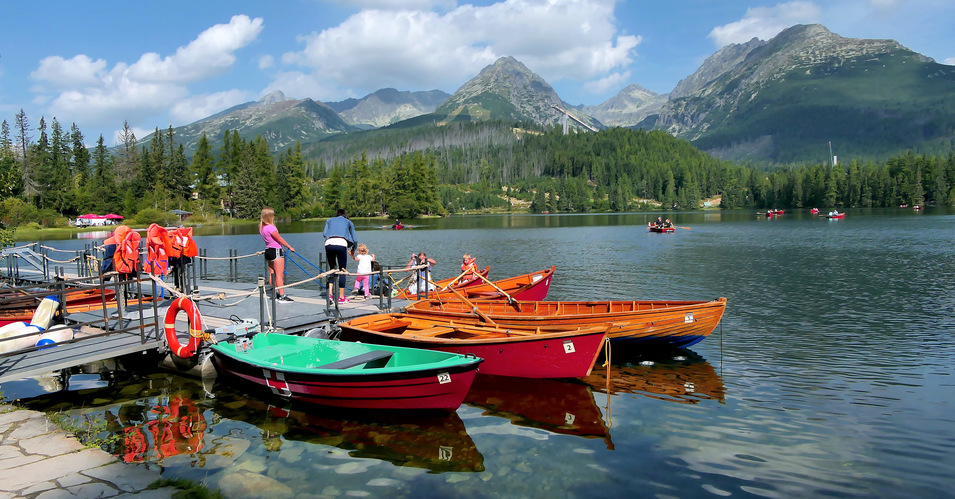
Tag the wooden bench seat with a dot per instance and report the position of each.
(365, 358)
(431, 331)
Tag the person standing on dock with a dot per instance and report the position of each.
(274, 254)
(340, 239)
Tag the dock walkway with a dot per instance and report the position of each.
(140, 329)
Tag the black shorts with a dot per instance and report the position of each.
(273, 253)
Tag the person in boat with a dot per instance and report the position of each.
(667, 224)
(423, 274)
(364, 260)
(397, 225)
(658, 223)
(274, 253)
(468, 268)
(340, 239)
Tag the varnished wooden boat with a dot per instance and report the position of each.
(648, 323)
(21, 309)
(530, 287)
(349, 375)
(526, 352)
(444, 283)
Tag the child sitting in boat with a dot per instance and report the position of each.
(468, 268)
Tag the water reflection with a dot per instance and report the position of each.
(565, 407)
(432, 441)
(680, 376)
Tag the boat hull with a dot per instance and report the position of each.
(662, 230)
(653, 323)
(428, 388)
(555, 353)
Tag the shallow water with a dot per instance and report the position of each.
(830, 375)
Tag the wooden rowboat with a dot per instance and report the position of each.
(530, 287)
(78, 300)
(444, 283)
(661, 229)
(648, 323)
(526, 352)
(349, 375)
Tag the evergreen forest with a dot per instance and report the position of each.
(48, 175)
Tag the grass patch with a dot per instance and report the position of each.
(91, 431)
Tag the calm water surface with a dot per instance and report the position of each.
(830, 375)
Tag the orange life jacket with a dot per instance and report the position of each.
(182, 243)
(469, 266)
(126, 257)
(157, 250)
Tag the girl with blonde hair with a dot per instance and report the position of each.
(274, 255)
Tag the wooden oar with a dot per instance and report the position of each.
(495, 286)
(678, 227)
(474, 308)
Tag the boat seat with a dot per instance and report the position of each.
(357, 360)
(431, 331)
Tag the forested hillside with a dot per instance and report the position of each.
(410, 171)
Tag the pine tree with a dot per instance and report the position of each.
(203, 171)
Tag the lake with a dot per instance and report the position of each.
(830, 375)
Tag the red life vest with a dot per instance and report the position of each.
(182, 243)
(126, 257)
(157, 250)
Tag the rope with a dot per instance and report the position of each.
(229, 257)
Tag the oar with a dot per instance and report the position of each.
(678, 227)
(495, 286)
(474, 308)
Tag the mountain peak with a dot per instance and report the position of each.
(274, 97)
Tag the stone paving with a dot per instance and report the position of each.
(38, 460)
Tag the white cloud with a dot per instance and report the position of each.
(613, 81)
(266, 61)
(950, 61)
(147, 88)
(59, 73)
(414, 49)
(766, 22)
(197, 107)
(298, 85)
(211, 53)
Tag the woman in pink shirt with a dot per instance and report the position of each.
(274, 254)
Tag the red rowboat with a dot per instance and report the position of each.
(661, 229)
(529, 287)
(647, 323)
(443, 284)
(836, 216)
(545, 352)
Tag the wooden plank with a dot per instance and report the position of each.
(358, 360)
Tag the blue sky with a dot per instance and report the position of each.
(174, 62)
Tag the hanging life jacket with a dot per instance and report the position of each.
(126, 257)
(182, 243)
(157, 250)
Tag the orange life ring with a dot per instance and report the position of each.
(195, 327)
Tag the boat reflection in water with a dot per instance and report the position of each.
(677, 376)
(170, 429)
(430, 440)
(565, 407)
